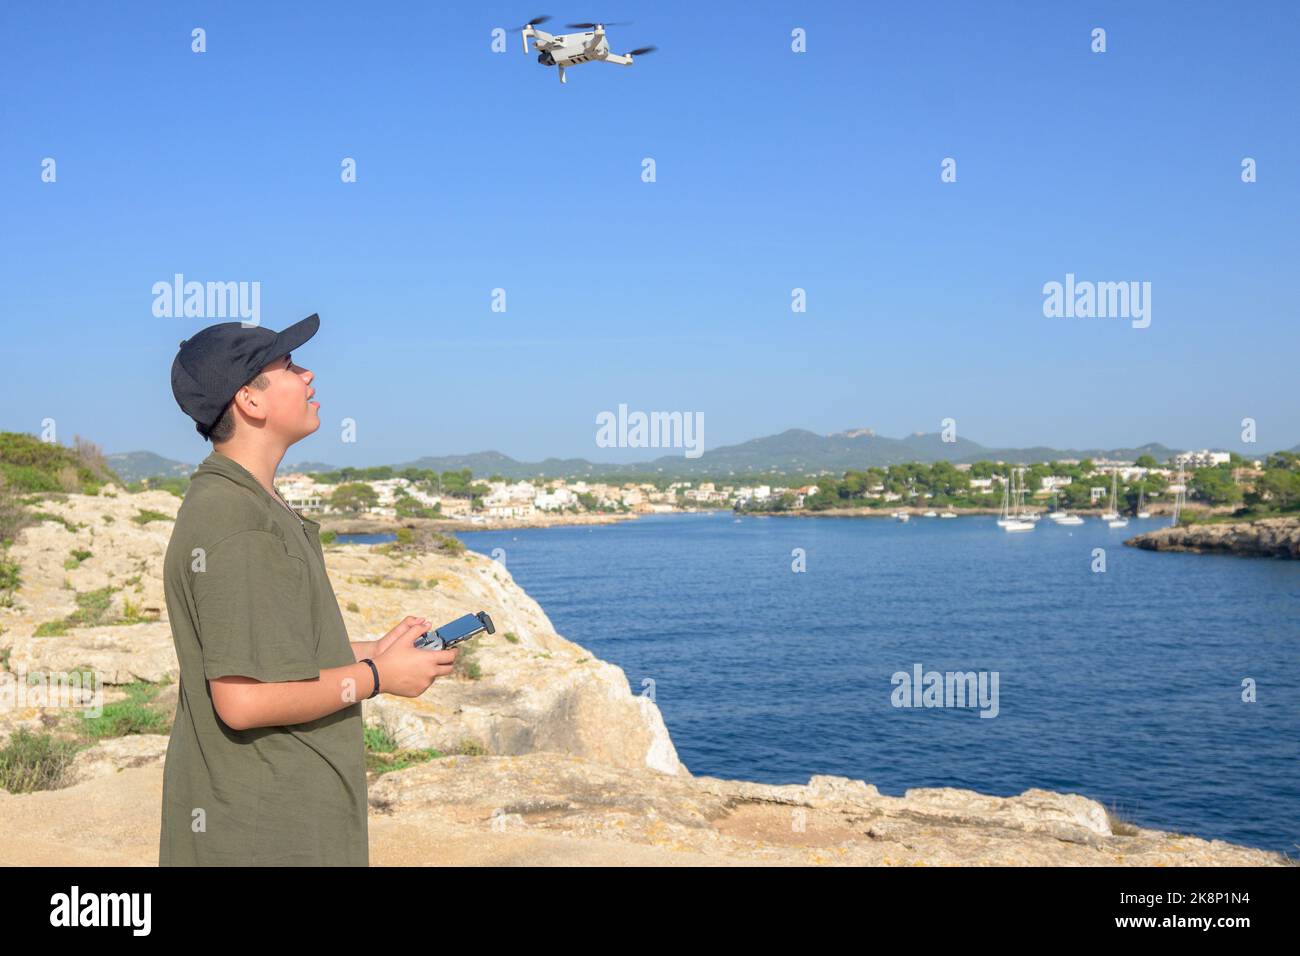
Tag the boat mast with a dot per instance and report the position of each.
(1180, 497)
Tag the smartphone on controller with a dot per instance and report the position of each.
(456, 632)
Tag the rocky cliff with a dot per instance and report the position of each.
(1269, 537)
(533, 752)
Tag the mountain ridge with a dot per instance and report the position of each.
(795, 451)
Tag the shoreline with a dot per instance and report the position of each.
(919, 512)
(386, 525)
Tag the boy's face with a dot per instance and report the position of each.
(290, 412)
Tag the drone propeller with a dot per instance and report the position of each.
(533, 22)
(589, 26)
(642, 50)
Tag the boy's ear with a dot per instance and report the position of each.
(246, 400)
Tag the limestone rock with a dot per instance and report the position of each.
(536, 689)
(117, 754)
(119, 655)
(1268, 537)
(830, 820)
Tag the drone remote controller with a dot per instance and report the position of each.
(453, 633)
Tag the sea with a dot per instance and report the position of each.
(1164, 685)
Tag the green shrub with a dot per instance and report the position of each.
(32, 465)
(377, 738)
(383, 755)
(146, 515)
(176, 485)
(92, 611)
(14, 515)
(132, 613)
(31, 761)
(10, 578)
(135, 715)
(92, 607)
(75, 557)
(448, 544)
(465, 665)
(399, 759)
(67, 525)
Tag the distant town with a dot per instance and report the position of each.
(1212, 478)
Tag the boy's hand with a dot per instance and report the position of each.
(407, 670)
(409, 627)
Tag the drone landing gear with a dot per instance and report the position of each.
(562, 79)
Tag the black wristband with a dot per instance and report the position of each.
(374, 670)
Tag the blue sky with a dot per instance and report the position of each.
(775, 170)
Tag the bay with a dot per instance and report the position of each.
(1123, 685)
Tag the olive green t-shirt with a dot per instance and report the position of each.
(247, 593)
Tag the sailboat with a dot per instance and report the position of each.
(1005, 514)
(1017, 521)
(1112, 516)
(1064, 517)
(1142, 511)
(1061, 516)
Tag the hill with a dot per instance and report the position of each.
(795, 451)
(134, 465)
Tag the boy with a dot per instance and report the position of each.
(266, 763)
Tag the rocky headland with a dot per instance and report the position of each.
(1265, 538)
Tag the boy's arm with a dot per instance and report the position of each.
(244, 703)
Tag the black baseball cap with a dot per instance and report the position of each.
(215, 363)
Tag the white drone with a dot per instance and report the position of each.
(568, 49)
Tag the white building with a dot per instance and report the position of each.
(1201, 459)
(555, 500)
(506, 508)
(302, 493)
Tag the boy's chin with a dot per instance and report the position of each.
(309, 427)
